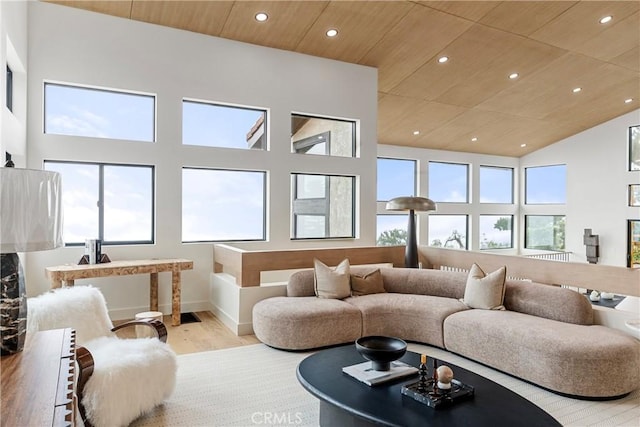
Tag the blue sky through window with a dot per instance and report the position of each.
(99, 113)
(546, 184)
(448, 182)
(396, 178)
(217, 125)
(496, 185)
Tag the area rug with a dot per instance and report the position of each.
(256, 386)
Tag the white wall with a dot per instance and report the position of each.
(76, 46)
(597, 187)
(13, 52)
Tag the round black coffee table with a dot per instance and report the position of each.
(345, 401)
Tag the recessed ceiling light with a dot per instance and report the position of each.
(606, 19)
(513, 76)
(577, 89)
(332, 32)
(416, 132)
(443, 59)
(628, 100)
(261, 17)
(474, 139)
(523, 145)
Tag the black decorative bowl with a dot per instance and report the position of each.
(381, 350)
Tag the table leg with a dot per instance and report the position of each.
(175, 297)
(56, 283)
(153, 291)
(69, 282)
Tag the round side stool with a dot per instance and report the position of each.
(145, 331)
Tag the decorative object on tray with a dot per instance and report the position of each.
(381, 351)
(442, 390)
(594, 295)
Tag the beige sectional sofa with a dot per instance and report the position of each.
(545, 336)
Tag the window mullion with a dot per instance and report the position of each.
(101, 202)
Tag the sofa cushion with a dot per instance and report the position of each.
(332, 282)
(439, 283)
(548, 301)
(304, 323)
(485, 291)
(590, 361)
(366, 282)
(410, 317)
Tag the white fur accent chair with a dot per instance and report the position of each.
(130, 376)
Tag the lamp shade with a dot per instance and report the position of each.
(30, 210)
(411, 203)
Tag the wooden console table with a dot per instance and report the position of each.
(69, 273)
(38, 384)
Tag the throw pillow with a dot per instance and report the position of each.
(367, 282)
(332, 282)
(485, 291)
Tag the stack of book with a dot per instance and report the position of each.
(363, 372)
(93, 250)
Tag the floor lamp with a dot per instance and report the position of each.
(30, 220)
(413, 205)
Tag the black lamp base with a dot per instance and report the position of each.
(13, 304)
(411, 252)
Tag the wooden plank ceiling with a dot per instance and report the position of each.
(554, 46)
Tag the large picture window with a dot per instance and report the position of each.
(544, 232)
(323, 206)
(114, 203)
(396, 177)
(546, 185)
(496, 185)
(449, 231)
(496, 231)
(223, 205)
(214, 125)
(322, 136)
(448, 182)
(98, 113)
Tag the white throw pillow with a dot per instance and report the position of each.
(485, 291)
(330, 282)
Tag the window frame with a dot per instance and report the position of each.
(511, 232)
(154, 136)
(100, 201)
(466, 237)
(354, 129)
(415, 175)
(264, 204)
(526, 231)
(480, 184)
(265, 123)
(467, 183)
(526, 184)
(317, 200)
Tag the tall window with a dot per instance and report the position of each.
(114, 203)
(98, 113)
(546, 185)
(328, 137)
(496, 231)
(323, 206)
(9, 100)
(214, 125)
(544, 232)
(396, 177)
(448, 182)
(448, 231)
(223, 205)
(496, 185)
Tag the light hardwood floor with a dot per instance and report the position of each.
(208, 334)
